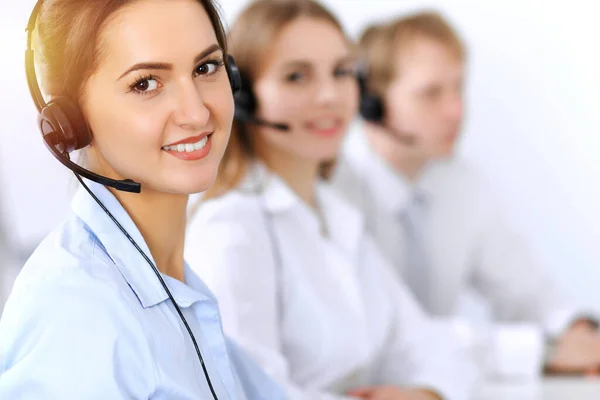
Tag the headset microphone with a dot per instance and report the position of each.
(372, 110)
(243, 116)
(245, 107)
(403, 138)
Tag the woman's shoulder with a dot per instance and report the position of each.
(70, 252)
(231, 221)
(68, 269)
(240, 204)
(68, 308)
(234, 206)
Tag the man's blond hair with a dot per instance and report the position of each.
(380, 43)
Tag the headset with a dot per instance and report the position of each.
(370, 105)
(245, 107)
(64, 130)
(372, 108)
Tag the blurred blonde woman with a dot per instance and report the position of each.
(300, 284)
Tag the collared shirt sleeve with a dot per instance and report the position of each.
(71, 337)
(421, 352)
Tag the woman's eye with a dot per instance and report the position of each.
(205, 69)
(295, 77)
(208, 68)
(146, 85)
(344, 72)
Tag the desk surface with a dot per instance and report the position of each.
(547, 389)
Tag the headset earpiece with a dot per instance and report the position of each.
(63, 126)
(372, 110)
(245, 102)
(245, 107)
(371, 106)
(235, 79)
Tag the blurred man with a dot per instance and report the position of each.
(433, 216)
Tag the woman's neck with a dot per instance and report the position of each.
(300, 174)
(161, 219)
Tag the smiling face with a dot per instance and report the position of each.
(160, 113)
(307, 81)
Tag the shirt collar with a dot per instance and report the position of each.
(276, 195)
(132, 266)
(344, 222)
(391, 189)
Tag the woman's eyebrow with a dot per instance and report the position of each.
(157, 65)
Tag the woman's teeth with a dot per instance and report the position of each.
(324, 123)
(188, 147)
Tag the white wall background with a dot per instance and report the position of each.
(533, 122)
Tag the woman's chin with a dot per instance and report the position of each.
(187, 185)
(199, 185)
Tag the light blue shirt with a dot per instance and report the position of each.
(89, 319)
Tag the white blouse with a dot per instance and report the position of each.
(322, 314)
